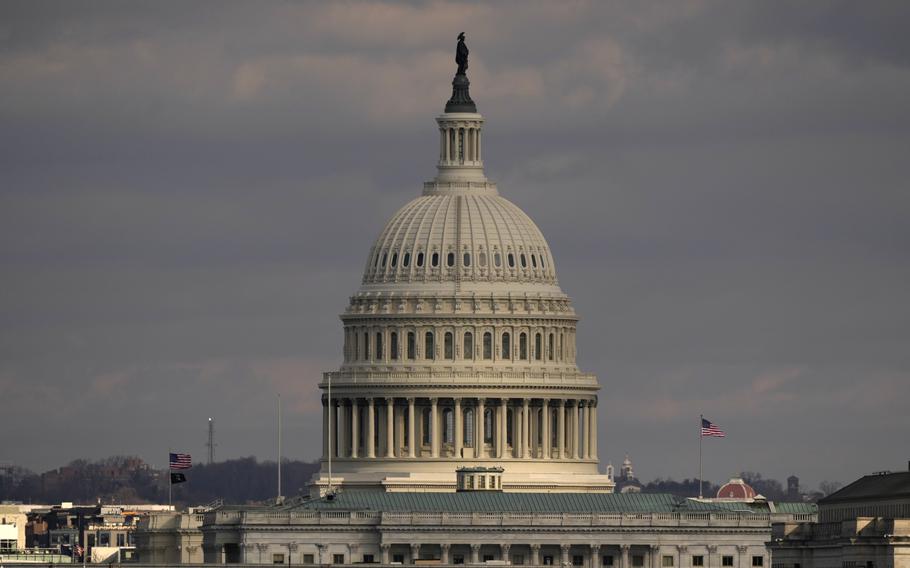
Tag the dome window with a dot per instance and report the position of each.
(366, 346)
(523, 346)
(497, 259)
(385, 256)
(538, 347)
(434, 260)
(487, 345)
(511, 261)
(394, 260)
(468, 351)
(419, 260)
(543, 265)
(534, 261)
(379, 353)
(506, 346)
(429, 347)
(412, 346)
(466, 260)
(406, 260)
(482, 259)
(524, 260)
(450, 259)
(468, 427)
(393, 346)
(449, 345)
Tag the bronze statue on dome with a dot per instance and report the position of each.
(461, 55)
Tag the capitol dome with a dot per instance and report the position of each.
(459, 345)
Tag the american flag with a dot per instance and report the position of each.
(181, 461)
(710, 429)
(77, 550)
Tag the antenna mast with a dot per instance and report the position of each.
(211, 443)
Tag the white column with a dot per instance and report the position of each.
(448, 151)
(503, 426)
(355, 428)
(325, 429)
(478, 439)
(412, 443)
(583, 429)
(574, 434)
(561, 434)
(434, 428)
(525, 429)
(592, 418)
(390, 427)
(342, 429)
(459, 429)
(546, 434)
(371, 428)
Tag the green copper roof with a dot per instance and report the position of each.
(493, 502)
(796, 508)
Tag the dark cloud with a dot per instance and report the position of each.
(188, 194)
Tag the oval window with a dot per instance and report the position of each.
(406, 259)
(533, 261)
(450, 259)
(497, 259)
(466, 261)
(434, 262)
(542, 263)
(524, 260)
(385, 257)
(394, 260)
(511, 261)
(482, 259)
(419, 259)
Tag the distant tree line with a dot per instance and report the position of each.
(127, 479)
(773, 489)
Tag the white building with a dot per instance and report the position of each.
(460, 356)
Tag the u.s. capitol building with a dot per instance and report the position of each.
(459, 428)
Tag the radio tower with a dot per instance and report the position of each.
(211, 443)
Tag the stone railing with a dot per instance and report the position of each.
(341, 378)
(317, 517)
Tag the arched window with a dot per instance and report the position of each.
(469, 427)
(429, 349)
(468, 347)
(434, 260)
(509, 421)
(487, 346)
(411, 345)
(419, 260)
(466, 259)
(379, 346)
(448, 426)
(450, 259)
(393, 346)
(542, 263)
(366, 346)
(506, 346)
(523, 346)
(406, 260)
(550, 347)
(538, 347)
(449, 345)
(488, 426)
(534, 260)
(511, 260)
(425, 425)
(394, 260)
(497, 259)
(356, 346)
(524, 260)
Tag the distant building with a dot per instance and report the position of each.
(737, 490)
(793, 493)
(626, 482)
(864, 525)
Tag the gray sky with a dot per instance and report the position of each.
(188, 192)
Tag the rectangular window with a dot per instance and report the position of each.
(308, 559)
(368, 559)
(547, 560)
(338, 559)
(638, 560)
(758, 561)
(278, 559)
(104, 539)
(726, 561)
(393, 346)
(666, 561)
(578, 560)
(607, 561)
(379, 345)
(411, 345)
(121, 539)
(487, 557)
(366, 346)
(698, 560)
(458, 559)
(398, 558)
(518, 559)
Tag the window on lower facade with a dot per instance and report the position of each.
(104, 539)
(121, 539)
(8, 544)
(338, 559)
(518, 559)
(411, 346)
(607, 561)
(368, 559)
(666, 561)
(698, 560)
(547, 560)
(393, 346)
(458, 559)
(468, 351)
(488, 345)
(638, 560)
(278, 559)
(308, 559)
(488, 557)
(523, 346)
(726, 561)
(506, 346)
(398, 558)
(578, 560)
(429, 349)
(758, 561)
(449, 345)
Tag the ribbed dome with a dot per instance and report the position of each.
(471, 235)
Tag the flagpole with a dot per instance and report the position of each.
(700, 437)
(279, 449)
(170, 484)
(331, 427)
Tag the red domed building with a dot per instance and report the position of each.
(738, 490)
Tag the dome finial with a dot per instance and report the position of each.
(461, 98)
